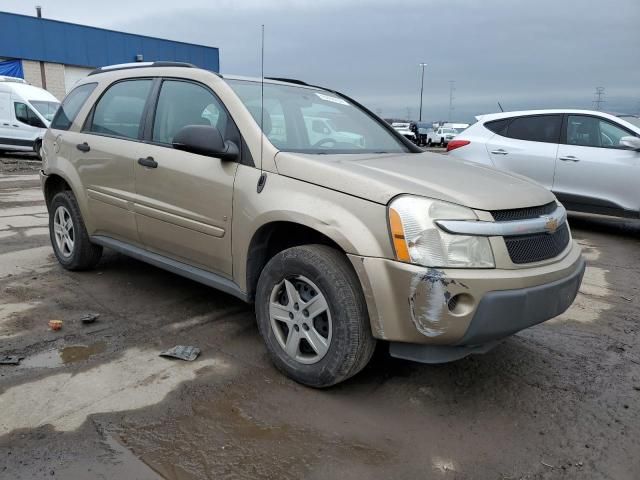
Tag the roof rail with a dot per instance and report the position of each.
(287, 80)
(125, 66)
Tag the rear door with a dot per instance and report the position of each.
(526, 145)
(594, 172)
(104, 153)
(183, 206)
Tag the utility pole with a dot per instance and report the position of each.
(599, 98)
(421, 89)
(452, 88)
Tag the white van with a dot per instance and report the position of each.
(25, 114)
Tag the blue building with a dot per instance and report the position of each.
(54, 55)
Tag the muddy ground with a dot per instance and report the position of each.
(560, 400)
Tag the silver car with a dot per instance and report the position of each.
(590, 160)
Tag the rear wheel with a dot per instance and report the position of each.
(68, 234)
(313, 317)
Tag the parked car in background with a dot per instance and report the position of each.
(590, 160)
(441, 136)
(25, 113)
(322, 129)
(337, 244)
(423, 130)
(404, 129)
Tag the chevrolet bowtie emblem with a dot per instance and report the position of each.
(551, 226)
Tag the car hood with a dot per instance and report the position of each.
(380, 177)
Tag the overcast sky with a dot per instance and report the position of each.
(534, 54)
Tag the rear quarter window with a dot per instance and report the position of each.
(71, 105)
(498, 126)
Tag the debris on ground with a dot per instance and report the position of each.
(55, 324)
(182, 352)
(89, 317)
(10, 360)
(625, 298)
(547, 465)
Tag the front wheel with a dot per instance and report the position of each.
(442, 142)
(313, 317)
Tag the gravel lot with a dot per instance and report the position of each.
(560, 400)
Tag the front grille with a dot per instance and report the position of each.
(523, 213)
(538, 246)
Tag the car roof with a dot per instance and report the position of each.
(26, 91)
(520, 113)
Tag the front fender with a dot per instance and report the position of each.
(358, 226)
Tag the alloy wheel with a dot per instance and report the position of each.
(63, 231)
(300, 319)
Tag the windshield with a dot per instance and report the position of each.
(46, 109)
(449, 130)
(301, 119)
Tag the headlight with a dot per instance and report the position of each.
(417, 239)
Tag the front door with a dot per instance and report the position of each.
(594, 172)
(183, 206)
(528, 146)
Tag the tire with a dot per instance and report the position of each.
(442, 142)
(429, 142)
(37, 147)
(348, 342)
(75, 252)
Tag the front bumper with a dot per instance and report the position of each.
(464, 307)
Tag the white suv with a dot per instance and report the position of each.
(590, 160)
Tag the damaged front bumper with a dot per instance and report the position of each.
(462, 311)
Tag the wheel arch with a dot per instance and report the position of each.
(274, 237)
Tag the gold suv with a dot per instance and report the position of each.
(303, 202)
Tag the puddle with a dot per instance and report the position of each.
(63, 356)
(135, 379)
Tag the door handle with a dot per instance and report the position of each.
(83, 147)
(569, 158)
(500, 151)
(148, 162)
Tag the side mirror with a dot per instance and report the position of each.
(631, 142)
(205, 140)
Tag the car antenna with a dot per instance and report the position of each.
(263, 176)
(501, 109)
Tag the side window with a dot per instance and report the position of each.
(25, 115)
(594, 132)
(498, 126)
(611, 134)
(184, 103)
(71, 106)
(539, 128)
(119, 110)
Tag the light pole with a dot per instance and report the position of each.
(421, 89)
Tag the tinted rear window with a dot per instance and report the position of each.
(498, 126)
(539, 128)
(71, 105)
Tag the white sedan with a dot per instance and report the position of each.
(590, 160)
